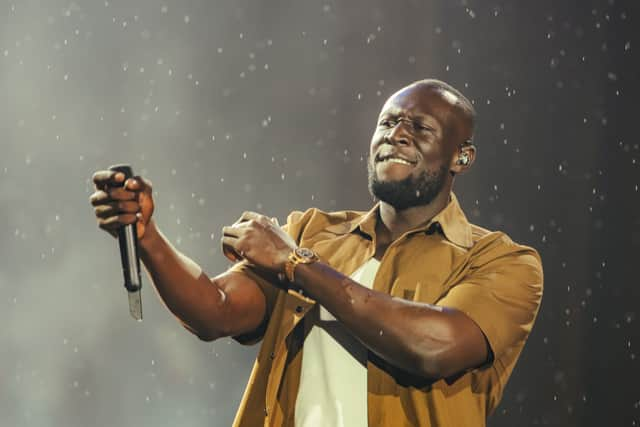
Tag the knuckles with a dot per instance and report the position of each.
(116, 203)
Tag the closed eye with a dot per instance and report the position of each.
(386, 123)
(422, 127)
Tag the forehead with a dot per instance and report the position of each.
(421, 101)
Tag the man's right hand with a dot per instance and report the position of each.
(116, 205)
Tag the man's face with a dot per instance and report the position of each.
(410, 157)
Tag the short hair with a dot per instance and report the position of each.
(462, 104)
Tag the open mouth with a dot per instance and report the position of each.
(394, 158)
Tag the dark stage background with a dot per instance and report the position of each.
(269, 106)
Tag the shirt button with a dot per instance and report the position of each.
(299, 309)
(272, 355)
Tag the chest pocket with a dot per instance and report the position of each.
(427, 288)
(427, 268)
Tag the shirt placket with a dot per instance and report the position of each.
(296, 307)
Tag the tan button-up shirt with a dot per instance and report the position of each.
(448, 262)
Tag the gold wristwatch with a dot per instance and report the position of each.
(299, 256)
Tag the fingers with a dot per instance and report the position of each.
(230, 239)
(112, 194)
(116, 208)
(138, 183)
(113, 223)
(118, 201)
(106, 178)
(232, 231)
(103, 178)
(99, 197)
(248, 216)
(229, 250)
(107, 192)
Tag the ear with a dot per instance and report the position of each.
(466, 151)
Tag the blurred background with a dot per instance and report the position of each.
(269, 106)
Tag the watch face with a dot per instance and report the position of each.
(305, 253)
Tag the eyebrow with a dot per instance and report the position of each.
(412, 117)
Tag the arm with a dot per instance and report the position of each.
(229, 304)
(426, 340)
(430, 341)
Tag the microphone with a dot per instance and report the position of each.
(128, 242)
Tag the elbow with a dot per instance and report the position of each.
(203, 334)
(436, 368)
(437, 360)
(432, 367)
(446, 363)
(207, 338)
(211, 334)
(204, 325)
(445, 351)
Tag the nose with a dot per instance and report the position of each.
(398, 134)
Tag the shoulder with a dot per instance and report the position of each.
(314, 220)
(496, 248)
(313, 215)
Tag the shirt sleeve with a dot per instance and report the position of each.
(294, 227)
(501, 295)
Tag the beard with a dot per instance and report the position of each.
(410, 191)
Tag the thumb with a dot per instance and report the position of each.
(141, 183)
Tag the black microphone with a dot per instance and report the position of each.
(128, 242)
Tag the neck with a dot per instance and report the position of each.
(394, 223)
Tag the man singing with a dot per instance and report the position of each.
(405, 315)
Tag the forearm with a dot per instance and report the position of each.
(416, 337)
(186, 291)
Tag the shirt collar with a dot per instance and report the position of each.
(451, 221)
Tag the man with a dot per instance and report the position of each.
(406, 315)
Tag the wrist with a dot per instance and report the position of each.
(151, 238)
(297, 257)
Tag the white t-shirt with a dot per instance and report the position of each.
(333, 377)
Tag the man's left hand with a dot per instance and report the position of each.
(259, 240)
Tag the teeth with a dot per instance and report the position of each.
(396, 160)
